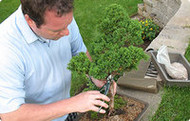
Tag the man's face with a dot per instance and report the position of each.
(54, 26)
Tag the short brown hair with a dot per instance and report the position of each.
(36, 8)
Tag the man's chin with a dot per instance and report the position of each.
(55, 38)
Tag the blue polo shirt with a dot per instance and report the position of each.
(32, 69)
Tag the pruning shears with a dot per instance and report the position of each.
(105, 88)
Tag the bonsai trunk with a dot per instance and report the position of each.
(111, 95)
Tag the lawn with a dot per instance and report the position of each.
(175, 105)
(7, 7)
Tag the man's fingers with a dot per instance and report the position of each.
(98, 109)
(101, 110)
(97, 95)
(102, 97)
(94, 92)
(101, 103)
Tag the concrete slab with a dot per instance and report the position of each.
(142, 84)
(140, 72)
(136, 79)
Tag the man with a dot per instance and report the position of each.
(37, 42)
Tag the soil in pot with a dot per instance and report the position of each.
(128, 112)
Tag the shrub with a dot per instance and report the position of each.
(149, 29)
(113, 51)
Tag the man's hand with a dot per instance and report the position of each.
(90, 100)
(100, 83)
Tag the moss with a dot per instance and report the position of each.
(119, 102)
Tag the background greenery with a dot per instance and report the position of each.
(175, 104)
(187, 53)
(7, 7)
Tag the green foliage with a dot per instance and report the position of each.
(134, 33)
(117, 28)
(112, 50)
(187, 52)
(150, 29)
(115, 17)
(80, 64)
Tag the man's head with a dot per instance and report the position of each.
(36, 9)
(48, 18)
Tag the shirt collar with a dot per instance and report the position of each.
(43, 39)
(28, 34)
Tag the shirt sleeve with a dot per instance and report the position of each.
(12, 92)
(77, 44)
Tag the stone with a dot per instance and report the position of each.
(148, 2)
(140, 9)
(136, 79)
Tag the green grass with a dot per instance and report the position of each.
(88, 12)
(7, 7)
(175, 105)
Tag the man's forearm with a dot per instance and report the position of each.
(35, 112)
(83, 102)
(88, 55)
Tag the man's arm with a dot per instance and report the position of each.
(82, 102)
(88, 55)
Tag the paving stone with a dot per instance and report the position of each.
(140, 73)
(143, 84)
(136, 79)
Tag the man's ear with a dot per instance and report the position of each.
(30, 22)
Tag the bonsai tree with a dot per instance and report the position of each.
(113, 50)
